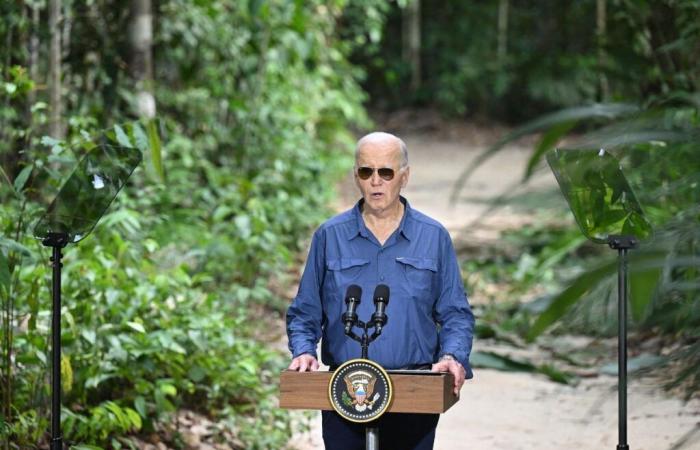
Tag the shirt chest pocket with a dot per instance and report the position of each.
(420, 274)
(346, 271)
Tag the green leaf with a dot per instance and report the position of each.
(140, 137)
(490, 360)
(122, 138)
(5, 278)
(641, 290)
(22, 178)
(154, 145)
(136, 327)
(11, 244)
(547, 143)
(196, 374)
(95, 381)
(168, 389)
(555, 374)
(561, 303)
(134, 418)
(10, 88)
(140, 405)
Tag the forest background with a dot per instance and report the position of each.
(257, 104)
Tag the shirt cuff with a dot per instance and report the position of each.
(463, 362)
(304, 351)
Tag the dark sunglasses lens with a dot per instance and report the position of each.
(364, 172)
(386, 173)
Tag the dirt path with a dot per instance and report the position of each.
(516, 410)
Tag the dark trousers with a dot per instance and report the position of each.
(397, 431)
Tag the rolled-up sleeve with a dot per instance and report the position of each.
(452, 311)
(304, 315)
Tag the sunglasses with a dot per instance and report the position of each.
(385, 173)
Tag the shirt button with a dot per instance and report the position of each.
(381, 278)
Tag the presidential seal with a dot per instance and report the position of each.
(360, 390)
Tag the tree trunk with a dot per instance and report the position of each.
(55, 106)
(601, 37)
(502, 30)
(33, 58)
(141, 60)
(412, 41)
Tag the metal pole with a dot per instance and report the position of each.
(372, 438)
(56, 438)
(622, 348)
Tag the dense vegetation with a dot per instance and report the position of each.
(254, 100)
(515, 59)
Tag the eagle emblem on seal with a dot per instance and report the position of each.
(360, 386)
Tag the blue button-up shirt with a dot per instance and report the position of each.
(428, 311)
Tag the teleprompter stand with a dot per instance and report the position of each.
(71, 216)
(622, 244)
(607, 212)
(56, 241)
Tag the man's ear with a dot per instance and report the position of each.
(404, 177)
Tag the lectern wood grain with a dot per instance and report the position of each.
(413, 392)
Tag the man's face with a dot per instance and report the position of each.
(381, 194)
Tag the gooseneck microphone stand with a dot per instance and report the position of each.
(379, 319)
(622, 244)
(56, 241)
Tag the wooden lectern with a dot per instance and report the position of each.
(415, 391)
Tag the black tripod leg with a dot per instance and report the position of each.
(56, 438)
(622, 349)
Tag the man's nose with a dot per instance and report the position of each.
(376, 180)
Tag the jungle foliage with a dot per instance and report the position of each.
(653, 130)
(254, 100)
(515, 59)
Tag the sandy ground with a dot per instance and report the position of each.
(518, 410)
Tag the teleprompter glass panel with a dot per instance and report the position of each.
(598, 194)
(88, 192)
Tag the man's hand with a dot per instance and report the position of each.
(451, 365)
(306, 362)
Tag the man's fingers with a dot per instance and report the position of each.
(440, 366)
(459, 374)
(304, 363)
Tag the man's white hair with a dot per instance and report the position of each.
(382, 136)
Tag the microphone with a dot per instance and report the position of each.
(353, 296)
(381, 300)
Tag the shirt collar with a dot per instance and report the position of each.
(405, 226)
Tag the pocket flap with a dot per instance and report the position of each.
(418, 263)
(346, 263)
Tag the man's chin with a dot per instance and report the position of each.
(376, 205)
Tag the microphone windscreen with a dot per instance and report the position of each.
(354, 291)
(382, 291)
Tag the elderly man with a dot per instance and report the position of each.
(382, 240)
